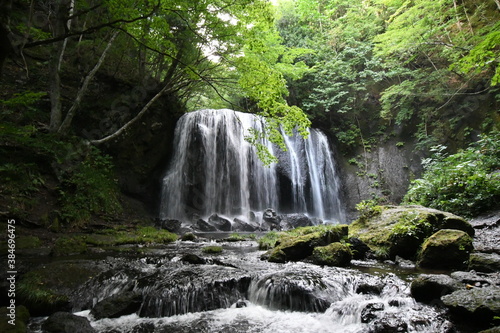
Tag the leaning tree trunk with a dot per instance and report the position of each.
(83, 89)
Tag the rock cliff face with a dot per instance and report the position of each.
(383, 171)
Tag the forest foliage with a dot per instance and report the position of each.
(426, 70)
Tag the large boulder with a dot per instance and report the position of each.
(292, 221)
(240, 225)
(446, 249)
(334, 254)
(65, 322)
(293, 247)
(117, 305)
(271, 220)
(204, 226)
(480, 304)
(430, 287)
(400, 230)
(220, 223)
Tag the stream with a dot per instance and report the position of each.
(235, 291)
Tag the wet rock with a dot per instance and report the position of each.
(334, 254)
(369, 289)
(65, 322)
(240, 225)
(404, 263)
(220, 223)
(272, 219)
(171, 225)
(480, 304)
(292, 221)
(369, 311)
(191, 288)
(204, 226)
(487, 237)
(358, 248)
(117, 305)
(477, 279)
(389, 323)
(485, 262)
(447, 248)
(191, 258)
(429, 287)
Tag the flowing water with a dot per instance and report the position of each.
(215, 170)
(235, 291)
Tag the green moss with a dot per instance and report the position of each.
(28, 242)
(212, 249)
(334, 254)
(446, 249)
(401, 230)
(299, 243)
(36, 295)
(65, 246)
(143, 235)
(189, 236)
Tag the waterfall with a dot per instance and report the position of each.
(215, 170)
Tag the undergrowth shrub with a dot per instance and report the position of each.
(466, 183)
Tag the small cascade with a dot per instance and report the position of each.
(214, 170)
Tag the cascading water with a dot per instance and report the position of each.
(215, 170)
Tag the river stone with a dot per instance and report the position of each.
(369, 311)
(171, 225)
(485, 262)
(334, 254)
(240, 225)
(192, 258)
(272, 219)
(203, 225)
(358, 248)
(220, 223)
(389, 323)
(446, 249)
(292, 221)
(481, 304)
(429, 287)
(117, 305)
(65, 322)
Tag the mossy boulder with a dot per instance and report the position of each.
(446, 249)
(334, 254)
(298, 244)
(401, 230)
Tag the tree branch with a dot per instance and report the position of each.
(76, 104)
(90, 30)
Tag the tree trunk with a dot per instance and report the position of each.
(124, 128)
(55, 61)
(83, 89)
